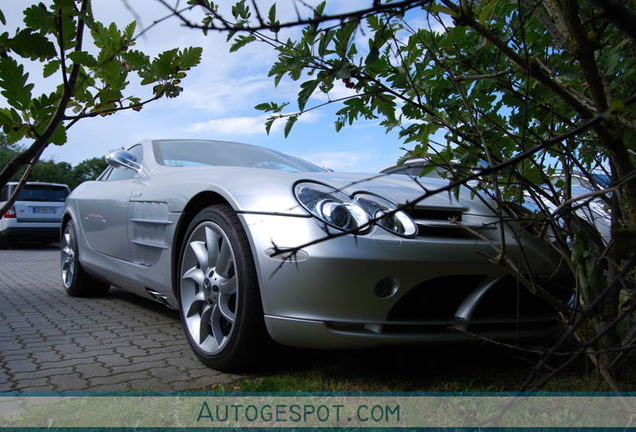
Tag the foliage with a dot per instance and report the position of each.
(92, 81)
(526, 90)
(88, 169)
(51, 171)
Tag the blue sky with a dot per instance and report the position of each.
(219, 97)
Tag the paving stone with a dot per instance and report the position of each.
(130, 351)
(40, 373)
(45, 356)
(92, 370)
(150, 385)
(114, 360)
(21, 365)
(5, 386)
(117, 379)
(65, 363)
(31, 382)
(51, 342)
(144, 366)
(109, 387)
(201, 383)
(88, 353)
(201, 372)
(68, 382)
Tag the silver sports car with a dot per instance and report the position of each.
(252, 245)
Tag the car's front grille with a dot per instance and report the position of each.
(439, 222)
(441, 298)
(447, 222)
(462, 306)
(435, 214)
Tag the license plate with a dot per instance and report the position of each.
(44, 210)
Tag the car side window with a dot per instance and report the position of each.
(121, 174)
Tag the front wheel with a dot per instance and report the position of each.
(77, 283)
(219, 297)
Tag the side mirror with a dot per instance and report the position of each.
(122, 159)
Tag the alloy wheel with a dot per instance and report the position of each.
(209, 287)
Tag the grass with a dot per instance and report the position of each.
(465, 368)
(433, 369)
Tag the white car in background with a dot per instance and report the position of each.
(36, 214)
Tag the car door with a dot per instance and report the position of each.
(104, 208)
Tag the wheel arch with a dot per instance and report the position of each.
(192, 208)
(66, 217)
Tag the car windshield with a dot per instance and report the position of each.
(42, 193)
(414, 170)
(185, 153)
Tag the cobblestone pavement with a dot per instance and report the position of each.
(52, 342)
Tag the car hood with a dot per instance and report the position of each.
(268, 191)
(398, 188)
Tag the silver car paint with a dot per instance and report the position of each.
(332, 282)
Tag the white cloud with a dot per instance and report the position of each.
(222, 96)
(234, 126)
(219, 96)
(245, 125)
(340, 161)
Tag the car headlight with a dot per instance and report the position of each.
(396, 222)
(331, 206)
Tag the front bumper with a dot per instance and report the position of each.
(361, 291)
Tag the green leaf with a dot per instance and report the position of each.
(290, 123)
(265, 106)
(12, 125)
(190, 57)
(319, 10)
(344, 35)
(271, 19)
(50, 68)
(136, 60)
(438, 8)
(114, 75)
(308, 88)
(164, 65)
(129, 31)
(3, 20)
(268, 124)
(37, 17)
(325, 40)
(272, 14)
(240, 41)
(59, 136)
(107, 96)
(13, 81)
(487, 11)
(83, 58)
(617, 106)
(32, 45)
(240, 10)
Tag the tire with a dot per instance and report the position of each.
(76, 282)
(219, 297)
